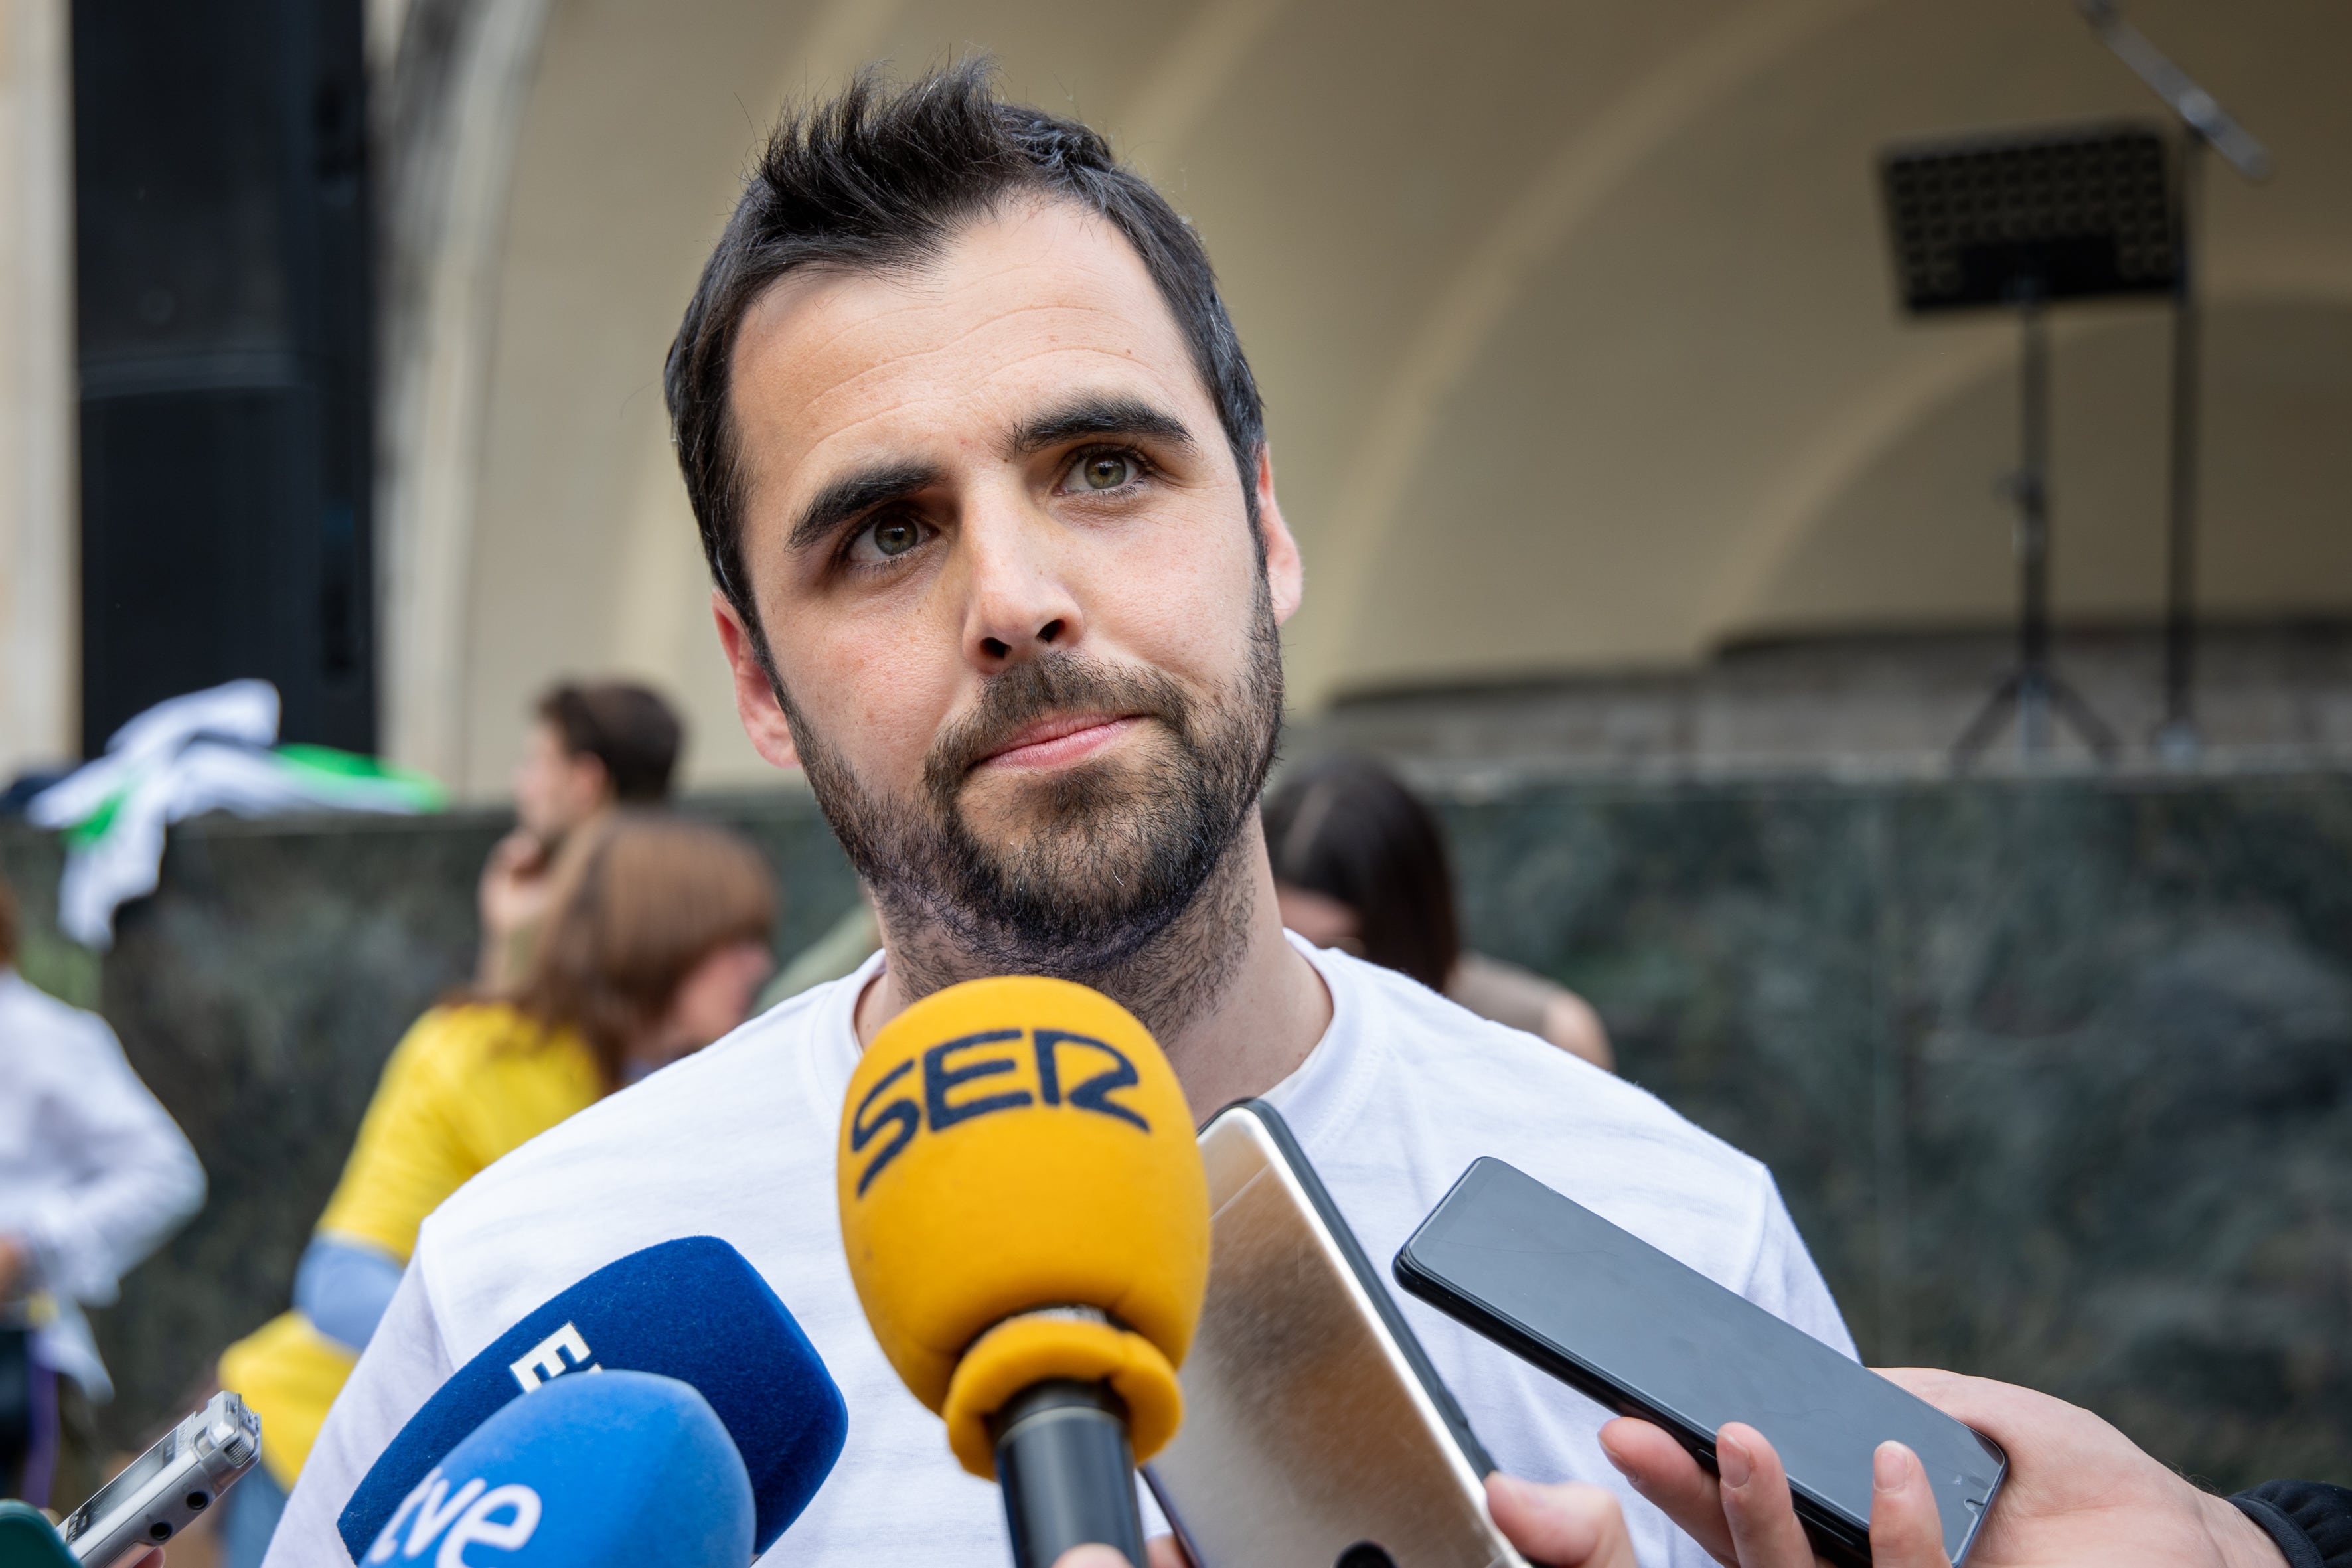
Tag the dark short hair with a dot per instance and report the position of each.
(881, 177)
(1346, 829)
(627, 727)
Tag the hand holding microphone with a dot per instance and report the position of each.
(1027, 1225)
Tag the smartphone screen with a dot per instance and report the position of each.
(1606, 1313)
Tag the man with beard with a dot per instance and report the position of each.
(982, 477)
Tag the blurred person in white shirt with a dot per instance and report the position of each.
(93, 1175)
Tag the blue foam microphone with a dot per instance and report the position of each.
(692, 1310)
(628, 1470)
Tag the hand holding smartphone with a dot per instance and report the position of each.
(1644, 1335)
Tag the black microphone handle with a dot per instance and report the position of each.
(1065, 1469)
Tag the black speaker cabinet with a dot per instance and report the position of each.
(223, 236)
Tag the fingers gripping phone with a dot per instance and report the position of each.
(1612, 1316)
(161, 1490)
(1316, 1432)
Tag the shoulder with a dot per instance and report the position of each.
(736, 1078)
(31, 1014)
(1466, 1058)
(739, 1126)
(467, 1029)
(753, 1074)
(461, 1040)
(1493, 989)
(1438, 1078)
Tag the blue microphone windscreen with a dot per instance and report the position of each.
(692, 1310)
(626, 1470)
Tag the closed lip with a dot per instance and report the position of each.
(1060, 738)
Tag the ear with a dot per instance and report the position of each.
(1285, 574)
(593, 777)
(755, 701)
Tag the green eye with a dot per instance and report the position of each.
(1106, 471)
(896, 538)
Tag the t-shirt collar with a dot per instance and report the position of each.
(836, 1027)
(1320, 1093)
(1327, 1089)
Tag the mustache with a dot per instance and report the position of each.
(1039, 688)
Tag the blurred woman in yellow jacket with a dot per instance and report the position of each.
(654, 949)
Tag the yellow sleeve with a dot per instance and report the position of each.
(408, 1156)
(464, 1085)
(467, 1084)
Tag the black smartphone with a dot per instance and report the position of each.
(1614, 1318)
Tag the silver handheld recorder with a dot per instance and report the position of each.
(161, 1490)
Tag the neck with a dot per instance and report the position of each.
(1223, 991)
(650, 1052)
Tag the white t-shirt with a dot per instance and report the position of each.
(1402, 1093)
(94, 1173)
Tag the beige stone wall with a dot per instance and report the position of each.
(1573, 318)
(38, 659)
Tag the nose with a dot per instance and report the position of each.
(1021, 602)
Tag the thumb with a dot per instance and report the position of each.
(1570, 1525)
(1159, 1551)
(1091, 1556)
(1906, 1531)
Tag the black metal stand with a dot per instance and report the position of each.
(2073, 212)
(2178, 738)
(2021, 222)
(2033, 688)
(2209, 125)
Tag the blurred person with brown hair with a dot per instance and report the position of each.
(590, 748)
(94, 1173)
(658, 939)
(1360, 864)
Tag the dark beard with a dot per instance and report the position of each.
(1124, 878)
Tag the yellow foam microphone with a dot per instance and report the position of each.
(1027, 1225)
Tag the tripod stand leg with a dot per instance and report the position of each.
(2089, 726)
(1987, 723)
(2032, 688)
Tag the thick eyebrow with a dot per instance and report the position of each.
(857, 492)
(1098, 416)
